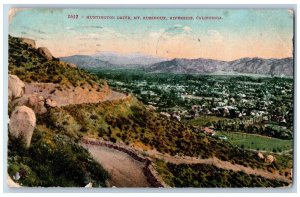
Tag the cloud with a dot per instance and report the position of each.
(177, 25)
(13, 11)
(34, 30)
(172, 41)
(215, 36)
(84, 27)
(32, 36)
(156, 34)
(187, 29)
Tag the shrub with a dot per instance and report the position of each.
(52, 161)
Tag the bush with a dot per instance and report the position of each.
(58, 162)
(94, 117)
(204, 175)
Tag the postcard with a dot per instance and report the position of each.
(150, 98)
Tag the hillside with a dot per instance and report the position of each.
(88, 62)
(30, 66)
(128, 59)
(52, 159)
(112, 60)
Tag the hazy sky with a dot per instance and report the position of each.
(266, 33)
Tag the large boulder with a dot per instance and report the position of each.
(22, 123)
(68, 64)
(89, 185)
(11, 183)
(51, 103)
(260, 155)
(16, 87)
(34, 101)
(43, 51)
(28, 41)
(270, 159)
(72, 65)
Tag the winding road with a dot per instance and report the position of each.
(127, 172)
(123, 169)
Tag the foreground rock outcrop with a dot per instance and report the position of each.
(260, 155)
(34, 101)
(16, 87)
(43, 51)
(11, 183)
(270, 159)
(22, 123)
(51, 103)
(28, 41)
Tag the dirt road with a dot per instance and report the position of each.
(123, 169)
(127, 172)
(73, 95)
(223, 165)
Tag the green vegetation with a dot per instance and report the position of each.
(130, 122)
(53, 160)
(29, 65)
(257, 142)
(203, 175)
(205, 120)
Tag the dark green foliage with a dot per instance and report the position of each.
(203, 175)
(53, 160)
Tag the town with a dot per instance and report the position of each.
(250, 104)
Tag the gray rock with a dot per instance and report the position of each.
(16, 87)
(11, 183)
(28, 41)
(45, 53)
(22, 123)
(270, 159)
(72, 65)
(51, 103)
(34, 101)
(260, 155)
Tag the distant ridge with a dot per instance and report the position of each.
(128, 59)
(245, 65)
(112, 60)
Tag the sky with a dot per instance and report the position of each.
(233, 34)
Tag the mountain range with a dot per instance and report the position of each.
(113, 60)
(245, 66)
(128, 59)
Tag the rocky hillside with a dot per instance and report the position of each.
(244, 66)
(38, 65)
(39, 155)
(88, 62)
(51, 78)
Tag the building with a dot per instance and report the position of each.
(208, 131)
